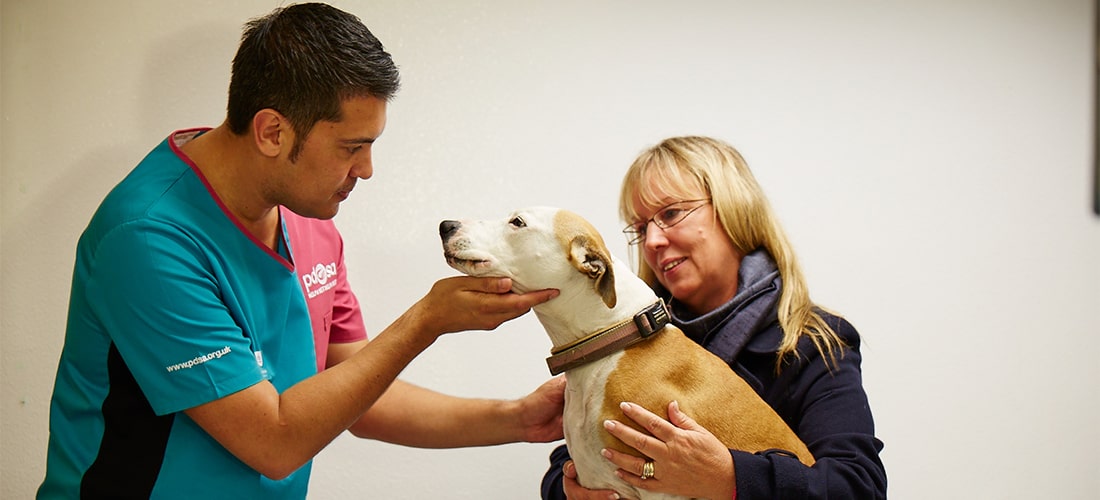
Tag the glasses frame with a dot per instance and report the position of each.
(636, 233)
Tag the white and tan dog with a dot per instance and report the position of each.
(603, 303)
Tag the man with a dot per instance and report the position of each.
(209, 290)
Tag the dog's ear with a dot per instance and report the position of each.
(592, 258)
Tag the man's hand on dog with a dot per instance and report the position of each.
(465, 303)
(541, 412)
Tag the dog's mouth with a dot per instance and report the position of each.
(467, 264)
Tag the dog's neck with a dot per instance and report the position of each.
(579, 311)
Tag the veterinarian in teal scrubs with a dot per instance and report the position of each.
(709, 244)
(209, 290)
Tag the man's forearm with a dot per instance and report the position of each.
(277, 433)
(414, 416)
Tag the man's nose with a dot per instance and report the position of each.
(363, 170)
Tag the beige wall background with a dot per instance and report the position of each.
(931, 160)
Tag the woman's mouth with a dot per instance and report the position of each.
(669, 265)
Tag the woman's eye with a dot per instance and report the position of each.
(517, 221)
(670, 214)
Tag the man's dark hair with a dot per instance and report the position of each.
(303, 61)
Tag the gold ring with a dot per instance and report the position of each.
(647, 470)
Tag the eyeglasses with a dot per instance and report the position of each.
(665, 217)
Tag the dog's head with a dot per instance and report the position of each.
(538, 247)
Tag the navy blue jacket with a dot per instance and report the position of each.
(827, 409)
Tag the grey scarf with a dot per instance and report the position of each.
(725, 330)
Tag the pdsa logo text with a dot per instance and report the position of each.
(320, 280)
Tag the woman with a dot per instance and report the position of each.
(710, 245)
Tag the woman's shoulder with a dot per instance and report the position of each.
(769, 338)
(841, 326)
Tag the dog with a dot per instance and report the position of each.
(600, 299)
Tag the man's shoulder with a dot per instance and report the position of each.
(140, 194)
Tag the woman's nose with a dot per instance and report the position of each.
(655, 236)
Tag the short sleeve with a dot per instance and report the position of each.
(157, 295)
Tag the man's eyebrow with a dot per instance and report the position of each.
(358, 140)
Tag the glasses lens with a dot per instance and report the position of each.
(673, 214)
(633, 235)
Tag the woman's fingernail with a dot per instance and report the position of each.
(605, 453)
(624, 406)
(608, 424)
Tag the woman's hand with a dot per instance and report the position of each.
(687, 459)
(574, 491)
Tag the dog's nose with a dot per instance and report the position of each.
(447, 228)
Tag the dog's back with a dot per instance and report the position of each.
(705, 388)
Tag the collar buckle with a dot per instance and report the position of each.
(651, 319)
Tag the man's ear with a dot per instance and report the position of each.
(271, 132)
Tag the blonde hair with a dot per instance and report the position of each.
(684, 167)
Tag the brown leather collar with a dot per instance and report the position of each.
(609, 340)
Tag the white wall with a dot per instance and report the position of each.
(931, 160)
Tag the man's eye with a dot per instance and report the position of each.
(517, 221)
(354, 149)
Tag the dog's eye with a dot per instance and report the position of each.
(517, 221)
